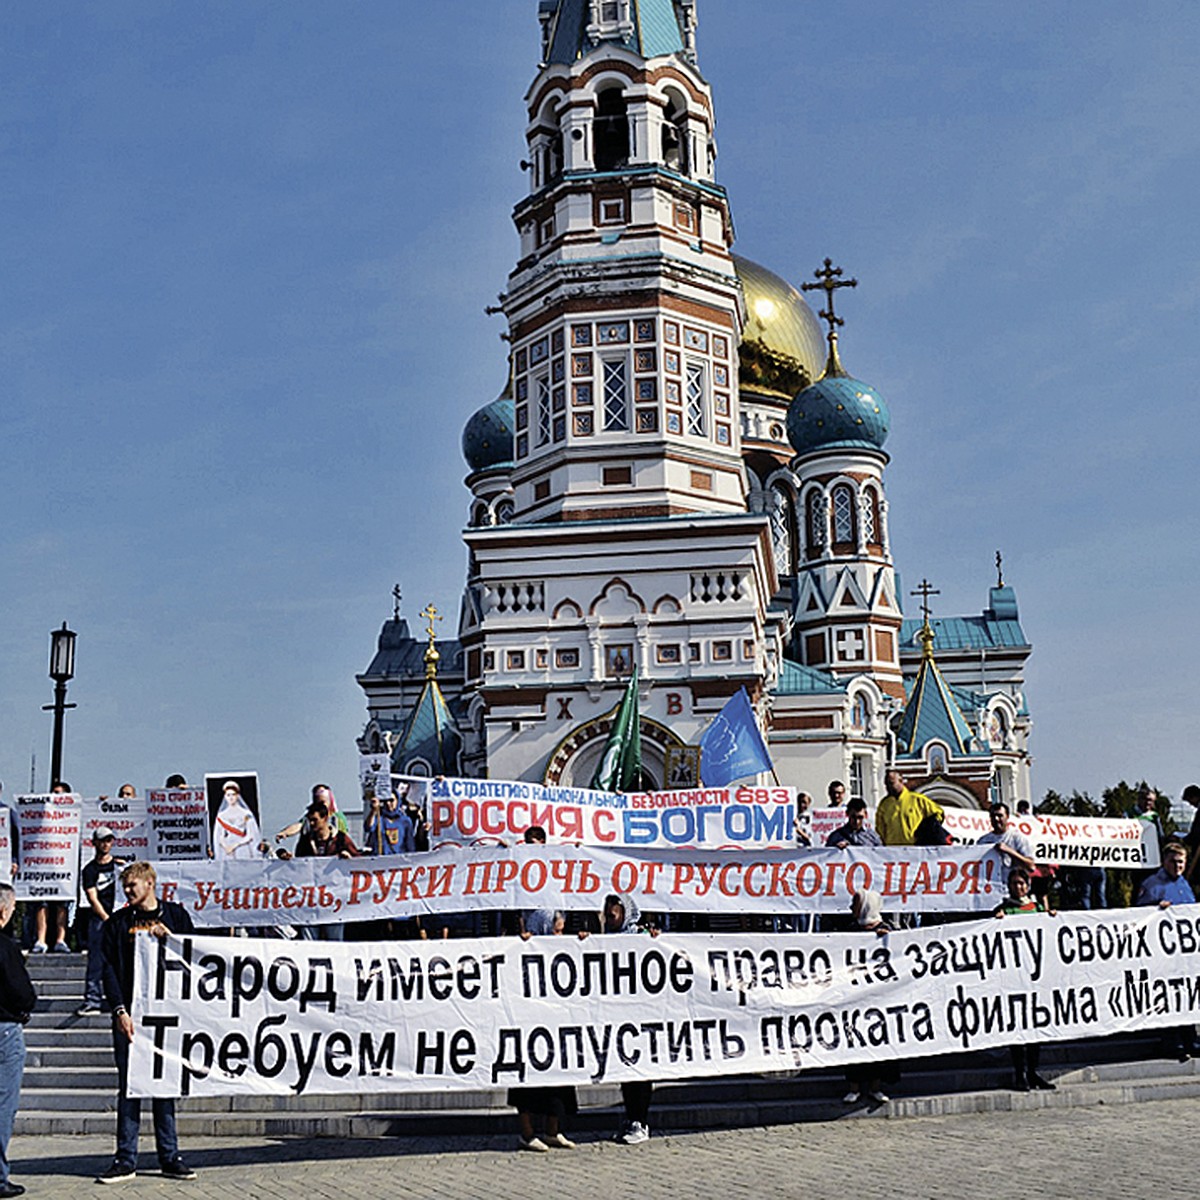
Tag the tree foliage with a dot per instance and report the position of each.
(1117, 801)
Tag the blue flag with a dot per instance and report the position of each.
(732, 747)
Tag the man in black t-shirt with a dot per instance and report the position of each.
(144, 915)
(100, 888)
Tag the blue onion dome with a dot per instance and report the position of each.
(487, 439)
(838, 411)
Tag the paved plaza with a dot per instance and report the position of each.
(1129, 1151)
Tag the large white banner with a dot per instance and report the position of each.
(178, 823)
(315, 890)
(475, 812)
(125, 817)
(47, 847)
(1069, 841)
(221, 1016)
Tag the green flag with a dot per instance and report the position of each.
(621, 763)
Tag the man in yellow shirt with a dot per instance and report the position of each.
(900, 813)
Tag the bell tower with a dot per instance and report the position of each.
(847, 614)
(624, 309)
(627, 540)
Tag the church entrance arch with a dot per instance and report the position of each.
(573, 761)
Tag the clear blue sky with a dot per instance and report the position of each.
(245, 253)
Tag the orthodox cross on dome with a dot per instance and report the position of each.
(396, 595)
(431, 614)
(925, 589)
(999, 570)
(829, 279)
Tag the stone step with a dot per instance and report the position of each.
(59, 1057)
(72, 1099)
(61, 1005)
(65, 1020)
(84, 1038)
(91, 1089)
(48, 989)
(56, 966)
(666, 1114)
(39, 1080)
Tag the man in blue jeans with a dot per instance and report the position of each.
(144, 915)
(17, 999)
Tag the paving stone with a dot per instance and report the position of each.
(1100, 1151)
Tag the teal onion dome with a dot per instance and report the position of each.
(838, 412)
(487, 439)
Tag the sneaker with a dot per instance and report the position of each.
(87, 1009)
(852, 1097)
(117, 1173)
(11, 1189)
(535, 1144)
(878, 1097)
(619, 1136)
(178, 1169)
(636, 1134)
(38, 948)
(61, 948)
(560, 1142)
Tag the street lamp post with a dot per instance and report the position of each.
(62, 668)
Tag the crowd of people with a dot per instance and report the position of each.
(395, 825)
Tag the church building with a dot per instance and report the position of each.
(680, 476)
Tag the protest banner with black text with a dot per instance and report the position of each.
(48, 846)
(491, 811)
(223, 1016)
(331, 890)
(178, 820)
(126, 817)
(1069, 841)
(827, 821)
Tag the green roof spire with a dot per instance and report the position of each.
(571, 29)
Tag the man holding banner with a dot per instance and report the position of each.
(144, 914)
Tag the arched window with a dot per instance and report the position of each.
(674, 134)
(783, 529)
(843, 514)
(870, 515)
(816, 510)
(479, 514)
(860, 714)
(611, 131)
(548, 145)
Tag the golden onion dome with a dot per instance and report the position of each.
(783, 346)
